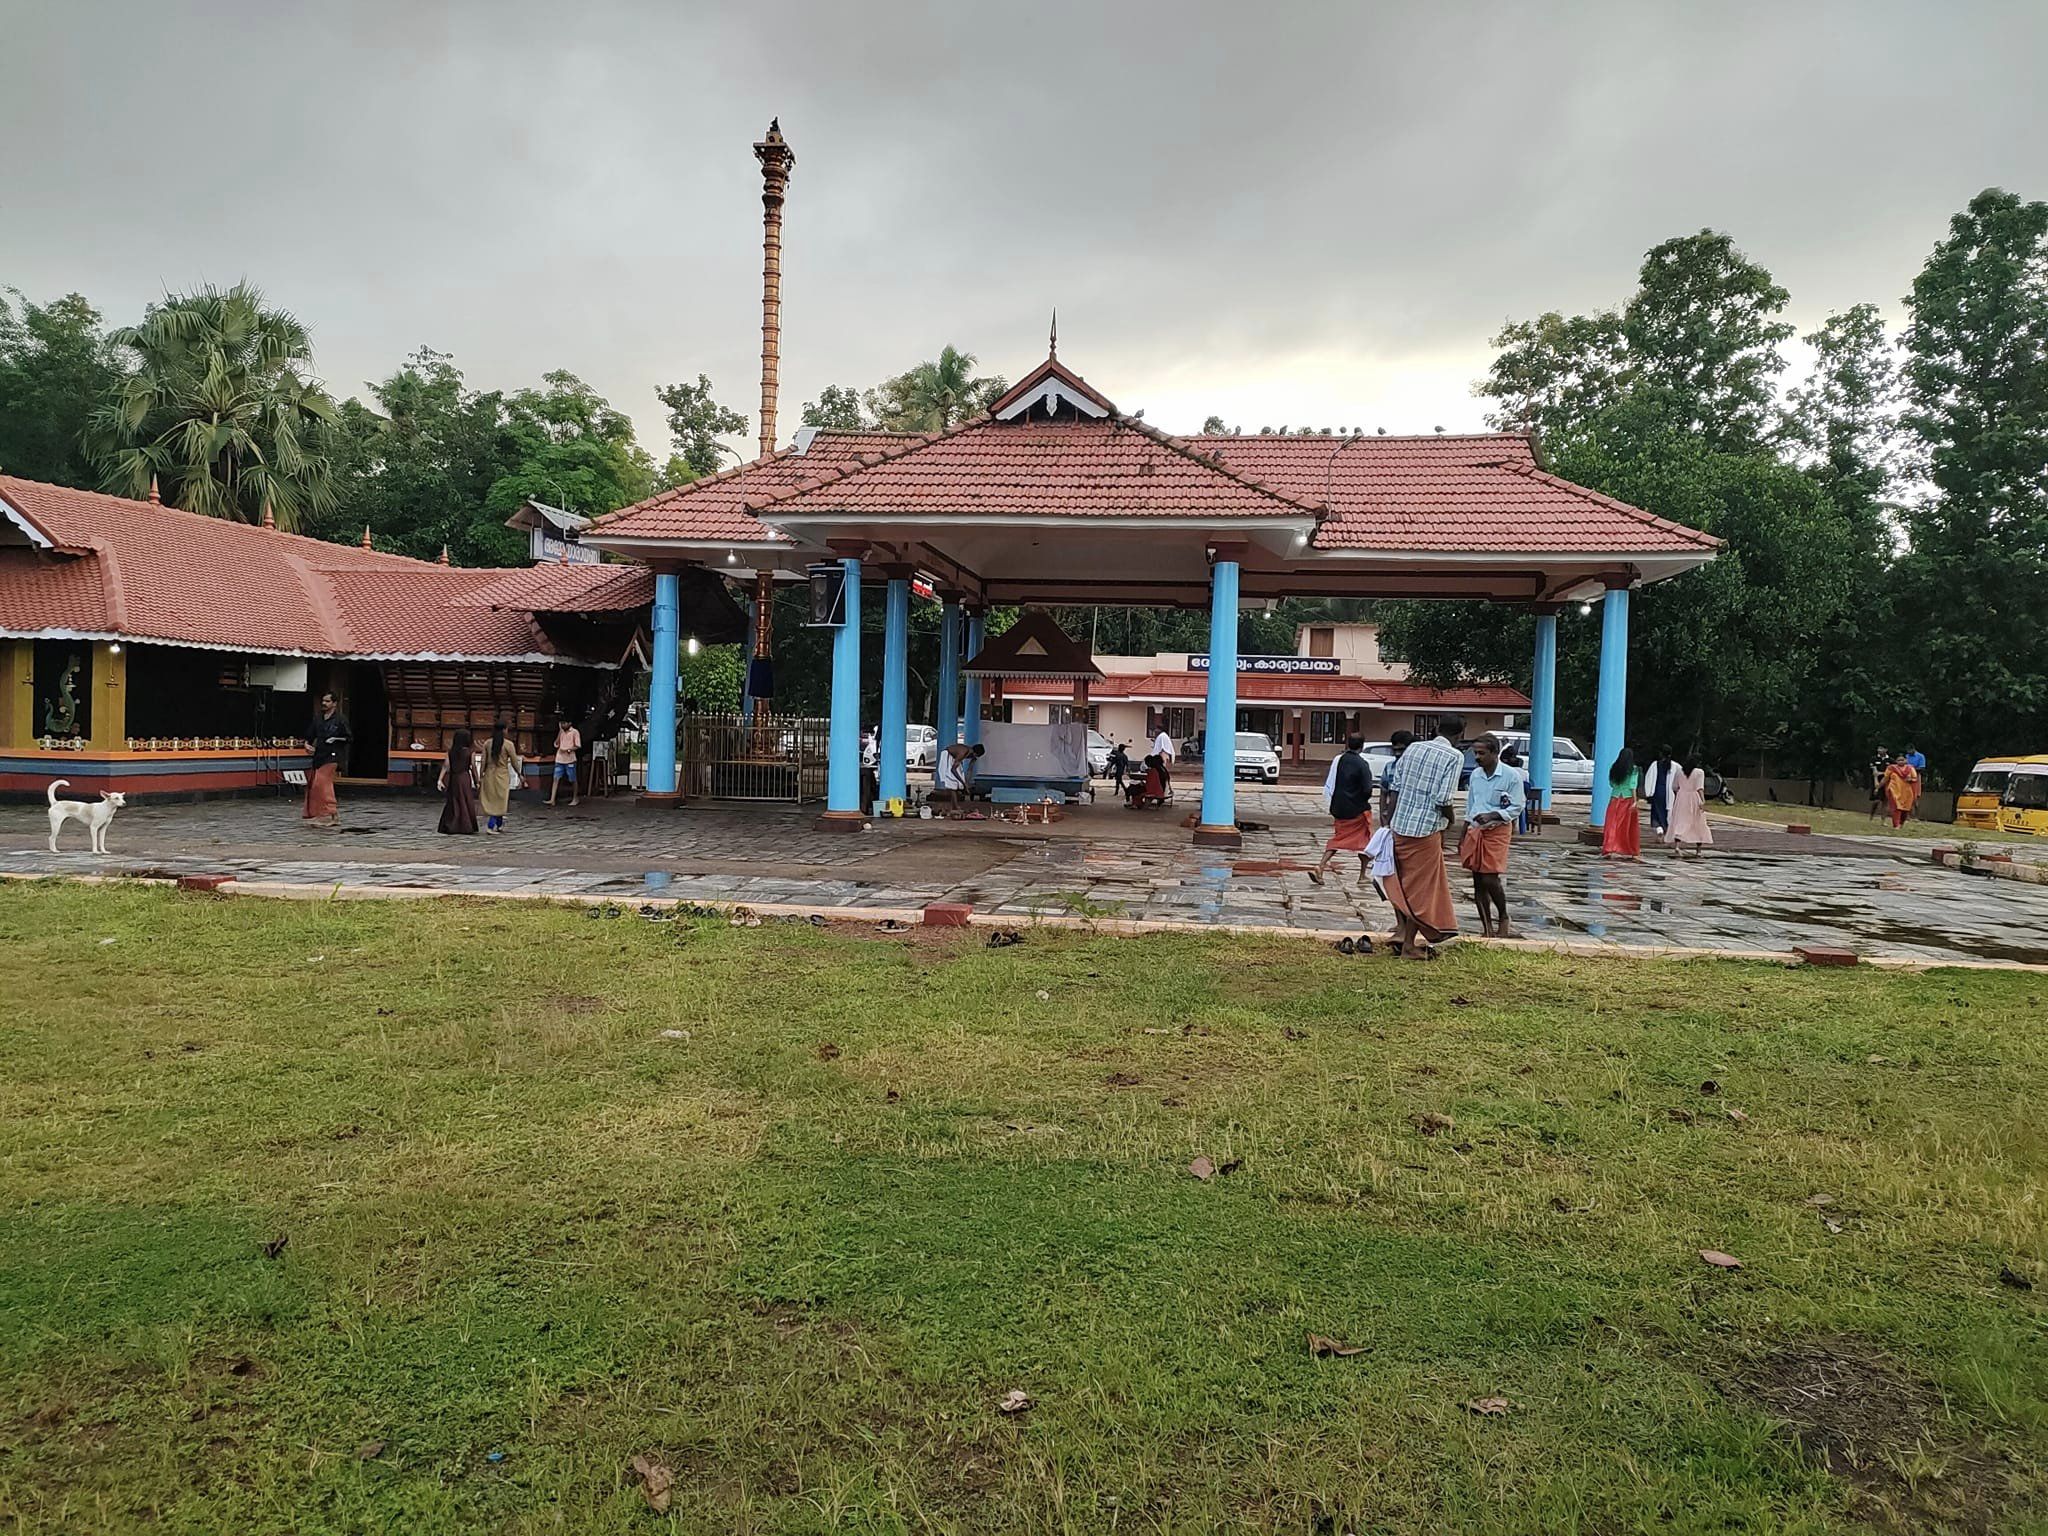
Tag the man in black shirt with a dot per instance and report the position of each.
(326, 739)
(1349, 791)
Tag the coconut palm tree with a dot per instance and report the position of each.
(221, 410)
(936, 395)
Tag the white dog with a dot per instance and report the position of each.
(95, 814)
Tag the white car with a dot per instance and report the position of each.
(921, 746)
(1256, 758)
(1571, 771)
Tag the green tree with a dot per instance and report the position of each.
(1666, 403)
(1843, 424)
(436, 464)
(221, 409)
(696, 422)
(935, 395)
(1551, 374)
(418, 468)
(1703, 327)
(838, 408)
(56, 367)
(1974, 585)
(570, 449)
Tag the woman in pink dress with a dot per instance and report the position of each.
(1689, 827)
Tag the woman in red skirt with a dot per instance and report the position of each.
(1621, 834)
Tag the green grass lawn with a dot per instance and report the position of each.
(798, 1252)
(1860, 823)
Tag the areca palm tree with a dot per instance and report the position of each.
(221, 410)
(936, 395)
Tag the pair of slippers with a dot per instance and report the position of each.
(1362, 945)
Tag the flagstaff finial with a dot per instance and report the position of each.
(366, 535)
(1052, 342)
(156, 497)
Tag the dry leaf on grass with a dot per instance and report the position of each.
(1322, 1346)
(1820, 1200)
(2007, 1275)
(1720, 1260)
(1740, 1117)
(1015, 1401)
(827, 1051)
(1682, 1116)
(1429, 1122)
(657, 1482)
(1202, 1168)
(369, 1450)
(276, 1246)
(1490, 1407)
(1710, 1087)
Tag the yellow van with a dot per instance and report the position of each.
(1977, 801)
(2024, 805)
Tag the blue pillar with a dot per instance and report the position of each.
(1610, 722)
(842, 778)
(1219, 747)
(664, 682)
(746, 668)
(949, 673)
(891, 777)
(1543, 706)
(977, 635)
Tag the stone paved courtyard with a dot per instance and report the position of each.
(1760, 889)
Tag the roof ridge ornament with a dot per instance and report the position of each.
(1052, 341)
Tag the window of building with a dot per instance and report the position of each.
(1060, 714)
(1328, 725)
(1178, 722)
(1322, 641)
(1425, 727)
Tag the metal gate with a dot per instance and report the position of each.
(771, 757)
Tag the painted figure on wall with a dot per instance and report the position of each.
(60, 714)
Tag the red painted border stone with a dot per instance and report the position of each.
(204, 882)
(1823, 954)
(1798, 829)
(947, 914)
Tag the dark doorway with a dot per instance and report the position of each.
(369, 724)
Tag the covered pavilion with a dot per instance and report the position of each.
(1055, 496)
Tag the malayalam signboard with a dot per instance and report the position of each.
(1288, 666)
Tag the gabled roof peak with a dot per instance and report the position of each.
(1050, 385)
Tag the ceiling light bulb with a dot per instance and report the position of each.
(1585, 610)
(693, 647)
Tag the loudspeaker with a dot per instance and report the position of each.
(828, 595)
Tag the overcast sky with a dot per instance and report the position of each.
(1281, 213)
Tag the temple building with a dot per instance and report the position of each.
(156, 651)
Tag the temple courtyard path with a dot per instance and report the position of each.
(1760, 890)
(489, 1216)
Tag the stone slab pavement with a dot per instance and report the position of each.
(1758, 890)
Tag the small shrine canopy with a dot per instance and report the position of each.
(1055, 496)
(1037, 649)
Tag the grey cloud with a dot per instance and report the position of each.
(1316, 212)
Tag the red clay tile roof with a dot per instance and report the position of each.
(155, 573)
(713, 510)
(1254, 688)
(566, 588)
(1480, 492)
(1069, 467)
